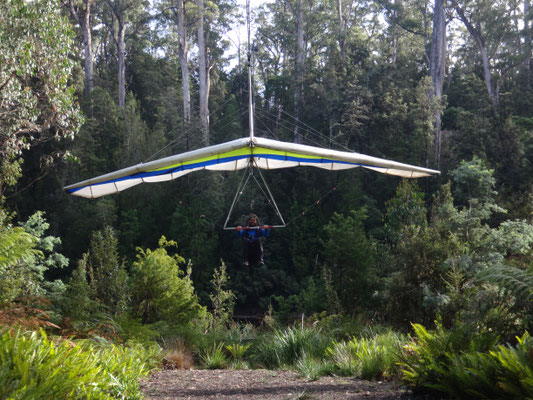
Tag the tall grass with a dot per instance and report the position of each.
(32, 366)
(214, 357)
(283, 348)
(374, 357)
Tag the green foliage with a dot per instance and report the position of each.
(413, 285)
(77, 304)
(473, 181)
(472, 369)
(312, 368)
(160, 291)
(375, 357)
(425, 360)
(350, 257)
(366, 88)
(36, 48)
(26, 254)
(131, 330)
(107, 275)
(222, 299)
(15, 246)
(285, 347)
(214, 357)
(33, 366)
(237, 350)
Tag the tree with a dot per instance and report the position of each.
(26, 254)
(489, 25)
(203, 74)
(16, 245)
(222, 299)
(121, 16)
(160, 290)
(107, 274)
(350, 258)
(81, 12)
(178, 10)
(37, 97)
(413, 259)
(298, 13)
(437, 65)
(179, 15)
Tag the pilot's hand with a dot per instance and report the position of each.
(238, 228)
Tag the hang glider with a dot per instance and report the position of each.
(241, 153)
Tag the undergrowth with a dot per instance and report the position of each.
(465, 366)
(33, 366)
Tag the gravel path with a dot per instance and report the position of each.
(262, 384)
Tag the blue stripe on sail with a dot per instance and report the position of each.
(148, 174)
(180, 168)
(310, 160)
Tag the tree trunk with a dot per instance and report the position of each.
(342, 32)
(121, 48)
(183, 57)
(478, 37)
(203, 75)
(493, 93)
(527, 35)
(299, 87)
(87, 45)
(85, 25)
(437, 65)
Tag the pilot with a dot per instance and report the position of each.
(252, 243)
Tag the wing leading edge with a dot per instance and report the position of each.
(238, 154)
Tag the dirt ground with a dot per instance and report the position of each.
(262, 384)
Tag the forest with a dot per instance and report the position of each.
(428, 281)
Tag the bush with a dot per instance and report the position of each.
(178, 355)
(450, 363)
(375, 357)
(426, 359)
(161, 291)
(214, 357)
(286, 347)
(34, 367)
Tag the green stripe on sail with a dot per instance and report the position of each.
(233, 153)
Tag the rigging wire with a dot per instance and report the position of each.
(286, 125)
(309, 129)
(282, 124)
(268, 129)
(238, 194)
(213, 112)
(316, 203)
(202, 216)
(316, 132)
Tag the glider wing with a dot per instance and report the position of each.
(238, 154)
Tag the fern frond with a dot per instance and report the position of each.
(515, 281)
(15, 246)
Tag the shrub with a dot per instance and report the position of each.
(312, 368)
(375, 357)
(426, 359)
(237, 350)
(505, 372)
(179, 356)
(214, 357)
(35, 367)
(161, 291)
(285, 347)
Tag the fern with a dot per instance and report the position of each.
(515, 281)
(15, 245)
(32, 366)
